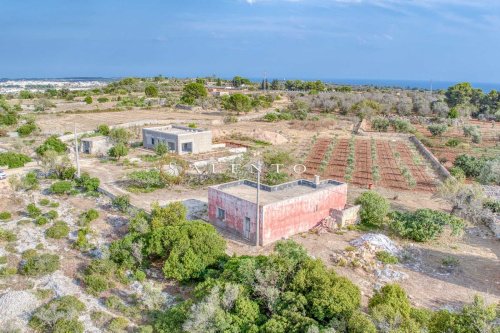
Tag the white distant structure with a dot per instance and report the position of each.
(179, 139)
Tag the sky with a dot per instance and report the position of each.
(441, 40)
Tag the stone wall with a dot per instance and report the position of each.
(346, 216)
(440, 169)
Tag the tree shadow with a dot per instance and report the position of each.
(466, 270)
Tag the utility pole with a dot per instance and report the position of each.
(257, 219)
(77, 155)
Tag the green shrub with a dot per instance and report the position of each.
(88, 99)
(59, 230)
(360, 323)
(29, 254)
(386, 258)
(87, 183)
(52, 143)
(271, 117)
(89, 216)
(33, 210)
(4, 216)
(30, 181)
(118, 151)
(492, 205)
(380, 124)
(437, 129)
(41, 220)
(13, 160)
(424, 224)
(103, 100)
(6, 235)
(118, 325)
(7, 271)
(39, 265)
(146, 181)
(82, 243)
(374, 208)
(98, 276)
(122, 203)
(471, 165)
(51, 215)
(61, 187)
(453, 142)
(26, 129)
(44, 202)
(59, 316)
(476, 317)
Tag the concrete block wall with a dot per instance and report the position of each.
(299, 214)
(236, 211)
(346, 216)
(201, 140)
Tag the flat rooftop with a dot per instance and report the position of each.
(175, 129)
(247, 190)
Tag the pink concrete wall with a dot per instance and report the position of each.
(236, 211)
(286, 218)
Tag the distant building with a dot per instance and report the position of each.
(96, 145)
(179, 139)
(284, 210)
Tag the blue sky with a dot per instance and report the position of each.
(450, 40)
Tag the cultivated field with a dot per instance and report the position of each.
(392, 164)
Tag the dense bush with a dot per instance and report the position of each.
(470, 165)
(118, 151)
(52, 143)
(7, 235)
(374, 208)
(40, 264)
(386, 258)
(380, 124)
(59, 230)
(192, 92)
(61, 187)
(492, 205)
(151, 90)
(89, 216)
(4, 216)
(187, 248)
(285, 292)
(276, 116)
(88, 99)
(437, 129)
(475, 317)
(122, 203)
(490, 172)
(146, 180)
(33, 210)
(424, 224)
(103, 129)
(87, 183)
(391, 309)
(30, 181)
(98, 276)
(41, 220)
(13, 160)
(58, 316)
(26, 129)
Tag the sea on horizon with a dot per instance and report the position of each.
(86, 82)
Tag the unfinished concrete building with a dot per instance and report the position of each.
(96, 145)
(284, 210)
(179, 139)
